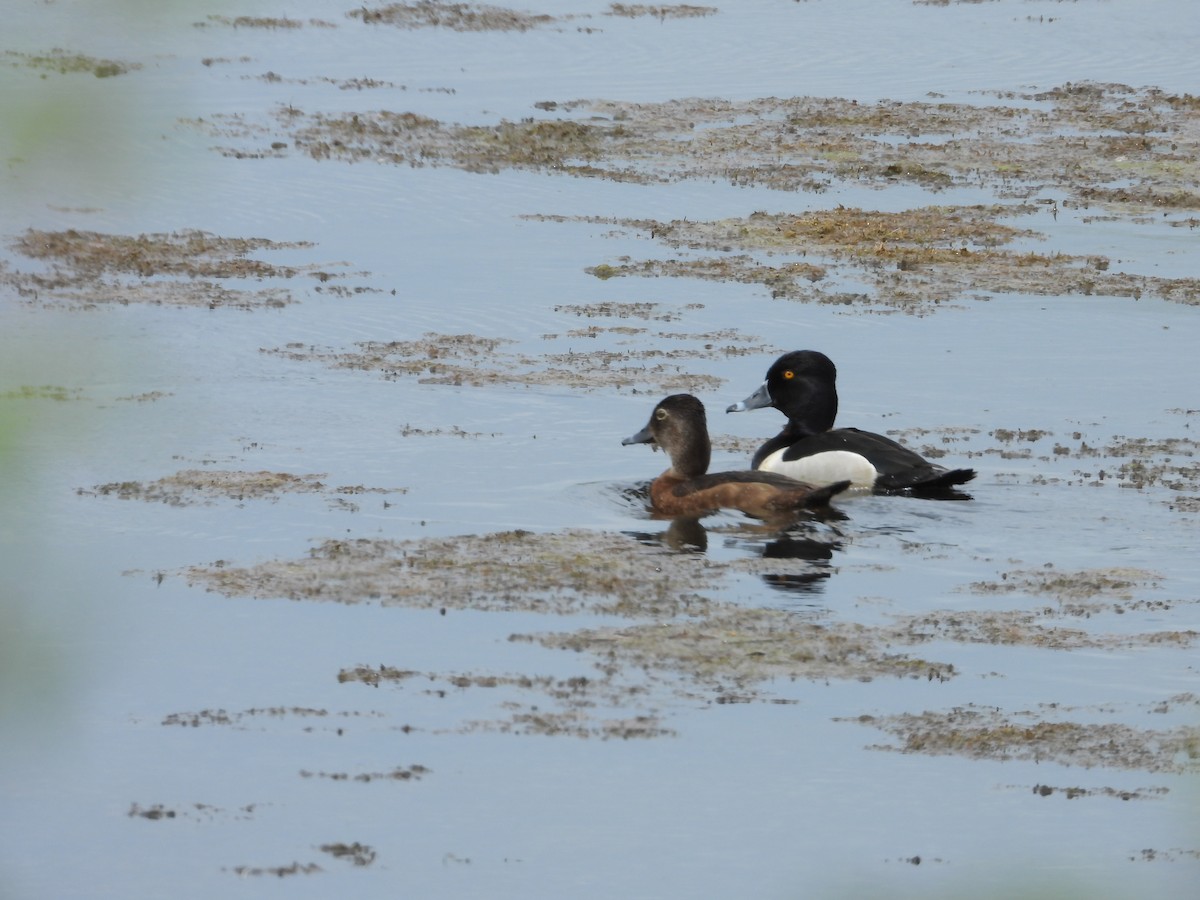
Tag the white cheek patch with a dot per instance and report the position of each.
(824, 468)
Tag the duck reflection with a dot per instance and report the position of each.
(811, 539)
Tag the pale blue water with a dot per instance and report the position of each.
(746, 800)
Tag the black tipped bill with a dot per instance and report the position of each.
(757, 400)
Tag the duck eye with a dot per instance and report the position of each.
(660, 414)
(788, 375)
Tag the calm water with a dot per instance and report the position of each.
(760, 799)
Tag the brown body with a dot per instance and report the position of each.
(679, 426)
(672, 495)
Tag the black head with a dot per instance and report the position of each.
(803, 386)
(802, 364)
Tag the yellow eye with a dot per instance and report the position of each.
(789, 375)
(660, 414)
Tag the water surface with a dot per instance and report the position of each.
(164, 738)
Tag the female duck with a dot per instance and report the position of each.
(678, 425)
(803, 386)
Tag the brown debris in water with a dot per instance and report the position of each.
(1074, 793)
(400, 773)
(655, 312)
(562, 572)
(575, 723)
(660, 12)
(455, 16)
(1130, 152)
(458, 359)
(253, 22)
(989, 733)
(242, 718)
(196, 812)
(572, 572)
(355, 853)
(1084, 598)
(197, 254)
(293, 868)
(685, 630)
(1167, 465)
(1087, 141)
(487, 17)
(911, 261)
(208, 485)
(1116, 583)
(375, 676)
(183, 268)
(1029, 628)
(745, 646)
(681, 641)
(583, 703)
(64, 62)
(43, 392)
(154, 813)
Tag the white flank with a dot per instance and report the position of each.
(824, 468)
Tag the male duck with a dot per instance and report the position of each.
(803, 386)
(678, 425)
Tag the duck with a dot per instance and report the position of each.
(803, 386)
(678, 425)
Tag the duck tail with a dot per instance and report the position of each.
(948, 479)
(822, 495)
(931, 481)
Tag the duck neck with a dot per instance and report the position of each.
(692, 458)
(815, 415)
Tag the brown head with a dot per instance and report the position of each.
(679, 426)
